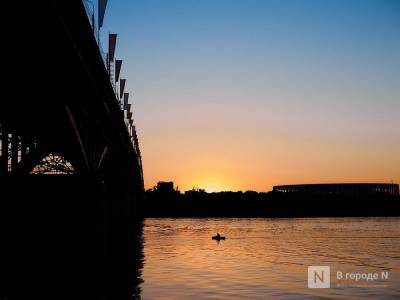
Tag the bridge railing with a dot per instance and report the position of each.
(92, 17)
(90, 9)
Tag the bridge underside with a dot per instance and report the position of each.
(58, 111)
(58, 91)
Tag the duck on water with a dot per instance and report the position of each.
(218, 237)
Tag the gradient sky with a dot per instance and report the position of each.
(247, 94)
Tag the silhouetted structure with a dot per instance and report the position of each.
(69, 235)
(165, 187)
(340, 188)
(198, 203)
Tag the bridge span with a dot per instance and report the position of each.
(70, 163)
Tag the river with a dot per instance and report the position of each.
(269, 258)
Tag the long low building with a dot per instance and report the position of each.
(340, 188)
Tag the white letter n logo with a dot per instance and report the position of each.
(319, 277)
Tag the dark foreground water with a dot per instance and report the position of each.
(269, 258)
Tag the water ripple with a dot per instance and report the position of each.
(266, 258)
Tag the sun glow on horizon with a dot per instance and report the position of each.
(212, 185)
(263, 93)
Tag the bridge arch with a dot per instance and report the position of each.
(54, 163)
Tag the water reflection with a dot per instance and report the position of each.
(266, 258)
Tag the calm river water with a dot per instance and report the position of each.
(269, 258)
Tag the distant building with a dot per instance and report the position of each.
(165, 187)
(340, 188)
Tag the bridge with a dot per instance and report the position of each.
(70, 163)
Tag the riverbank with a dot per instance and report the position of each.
(272, 204)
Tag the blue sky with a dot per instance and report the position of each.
(225, 90)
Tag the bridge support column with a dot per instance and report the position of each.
(4, 152)
(23, 149)
(14, 152)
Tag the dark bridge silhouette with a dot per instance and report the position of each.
(63, 101)
(70, 163)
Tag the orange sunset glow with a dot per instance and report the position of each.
(200, 149)
(249, 96)
(222, 155)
